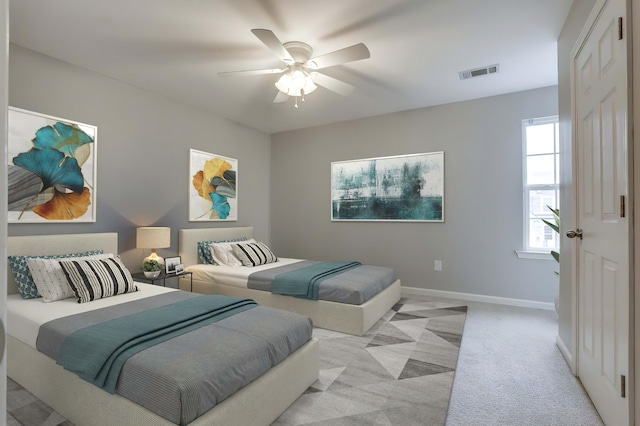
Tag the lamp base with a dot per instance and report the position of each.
(153, 256)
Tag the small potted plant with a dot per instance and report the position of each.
(151, 268)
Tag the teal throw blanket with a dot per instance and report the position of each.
(304, 282)
(98, 352)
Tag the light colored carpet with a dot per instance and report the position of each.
(510, 372)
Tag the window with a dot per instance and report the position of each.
(541, 175)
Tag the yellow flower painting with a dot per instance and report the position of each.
(213, 187)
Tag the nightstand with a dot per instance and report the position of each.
(139, 276)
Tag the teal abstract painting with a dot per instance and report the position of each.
(399, 188)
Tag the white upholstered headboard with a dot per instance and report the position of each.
(188, 244)
(34, 245)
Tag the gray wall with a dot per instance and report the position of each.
(143, 151)
(143, 145)
(573, 25)
(482, 142)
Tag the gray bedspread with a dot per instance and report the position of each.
(354, 286)
(184, 377)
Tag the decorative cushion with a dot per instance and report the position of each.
(254, 254)
(50, 279)
(21, 274)
(222, 254)
(97, 279)
(204, 252)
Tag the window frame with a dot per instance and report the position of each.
(528, 251)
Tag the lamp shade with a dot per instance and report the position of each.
(153, 237)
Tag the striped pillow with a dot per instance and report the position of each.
(49, 277)
(96, 279)
(254, 254)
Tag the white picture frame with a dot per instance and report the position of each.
(213, 189)
(400, 188)
(179, 269)
(170, 264)
(52, 164)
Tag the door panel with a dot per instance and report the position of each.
(600, 107)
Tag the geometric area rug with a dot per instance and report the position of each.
(399, 373)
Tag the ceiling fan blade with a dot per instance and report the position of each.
(348, 54)
(276, 46)
(250, 72)
(281, 97)
(335, 85)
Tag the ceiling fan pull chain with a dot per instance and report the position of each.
(302, 91)
(296, 104)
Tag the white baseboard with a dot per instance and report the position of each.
(564, 351)
(414, 291)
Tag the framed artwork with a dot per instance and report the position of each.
(170, 264)
(213, 190)
(402, 188)
(179, 269)
(51, 169)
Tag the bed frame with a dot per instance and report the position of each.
(343, 317)
(85, 404)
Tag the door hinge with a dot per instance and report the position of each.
(622, 206)
(622, 386)
(620, 28)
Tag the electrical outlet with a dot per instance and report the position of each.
(437, 265)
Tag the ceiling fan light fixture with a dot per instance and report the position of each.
(296, 82)
(310, 86)
(284, 82)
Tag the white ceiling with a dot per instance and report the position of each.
(177, 47)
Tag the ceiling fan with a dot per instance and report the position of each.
(299, 76)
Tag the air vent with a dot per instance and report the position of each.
(477, 72)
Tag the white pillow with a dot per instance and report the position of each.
(222, 254)
(50, 279)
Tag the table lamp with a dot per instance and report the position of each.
(153, 237)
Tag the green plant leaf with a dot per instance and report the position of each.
(556, 227)
(151, 265)
(552, 225)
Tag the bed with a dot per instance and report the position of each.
(354, 319)
(85, 404)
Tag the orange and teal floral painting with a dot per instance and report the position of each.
(51, 170)
(213, 191)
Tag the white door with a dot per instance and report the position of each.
(600, 96)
